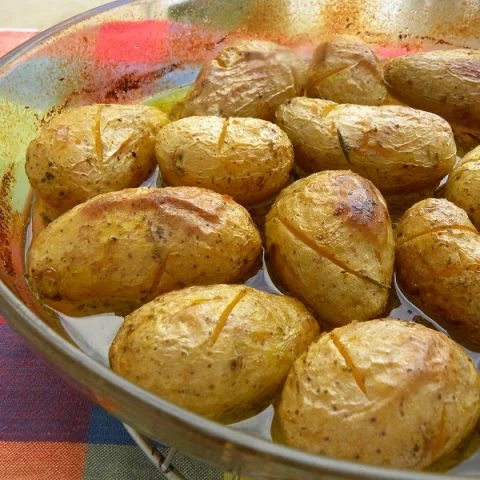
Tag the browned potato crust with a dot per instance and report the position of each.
(248, 158)
(121, 249)
(384, 392)
(438, 264)
(330, 242)
(446, 82)
(463, 186)
(346, 70)
(222, 351)
(85, 151)
(247, 79)
(401, 150)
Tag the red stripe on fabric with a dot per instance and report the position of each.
(396, 51)
(35, 461)
(9, 40)
(140, 42)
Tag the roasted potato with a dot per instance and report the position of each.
(122, 249)
(346, 70)
(401, 150)
(446, 82)
(247, 79)
(222, 351)
(463, 186)
(93, 149)
(384, 392)
(248, 158)
(438, 264)
(330, 242)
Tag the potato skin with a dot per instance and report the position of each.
(247, 79)
(93, 149)
(330, 242)
(222, 351)
(121, 249)
(437, 264)
(383, 392)
(346, 70)
(401, 150)
(446, 82)
(463, 186)
(248, 158)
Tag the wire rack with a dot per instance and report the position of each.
(164, 462)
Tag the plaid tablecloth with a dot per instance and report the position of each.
(48, 431)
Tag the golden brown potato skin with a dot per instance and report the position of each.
(384, 392)
(330, 242)
(222, 351)
(446, 82)
(121, 249)
(346, 70)
(248, 158)
(85, 151)
(401, 150)
(438, 264)
(463, 186)
(247, 79)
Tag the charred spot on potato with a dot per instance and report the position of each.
(361, 208)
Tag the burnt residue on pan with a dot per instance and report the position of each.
(410, 24)
(129, 82)
(6, 221)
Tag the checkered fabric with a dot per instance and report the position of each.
(49, 431)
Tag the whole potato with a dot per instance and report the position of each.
(446, 82)
(85, 151)
(463, 186)
(330, 242)
(248, 158)
(384, 392)
(121, 249)
(401, 150)
(438, 264)
(346, 70)
(222, 351)
(247, 79)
